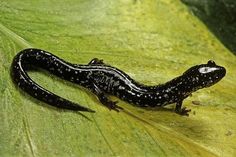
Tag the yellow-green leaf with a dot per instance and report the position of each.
(153, 41)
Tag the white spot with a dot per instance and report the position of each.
(166, 95)
(37, 57)
(180, 83)
(60, 71)
(121, 87)
(168, 90)
(205, 70)
(132, 93)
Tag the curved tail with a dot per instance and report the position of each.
(27, 58)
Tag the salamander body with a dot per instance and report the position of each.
(104, 80)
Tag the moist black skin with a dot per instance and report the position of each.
(104, 80)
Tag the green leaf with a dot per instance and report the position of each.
(153, 41)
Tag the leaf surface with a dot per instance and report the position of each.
(153, 41)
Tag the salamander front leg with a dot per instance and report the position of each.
(96, 61)
(104, 100)
(182, 111)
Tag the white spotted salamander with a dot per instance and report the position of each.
(104, 80)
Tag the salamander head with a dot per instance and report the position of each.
(204, 75)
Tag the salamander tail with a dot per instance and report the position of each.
(23, 81)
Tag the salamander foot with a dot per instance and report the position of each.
(112, 105)
(183, 111)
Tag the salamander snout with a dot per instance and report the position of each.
(211, 73)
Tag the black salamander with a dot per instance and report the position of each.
(104, 80)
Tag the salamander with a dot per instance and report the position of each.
(104, 80)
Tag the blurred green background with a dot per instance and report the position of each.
(220, 18)
(153, 41)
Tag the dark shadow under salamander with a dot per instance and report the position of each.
(104, 80)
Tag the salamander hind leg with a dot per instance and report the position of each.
(182, 111)
(104, 99)
(96, 61)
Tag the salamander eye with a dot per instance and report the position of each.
(211, 62)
